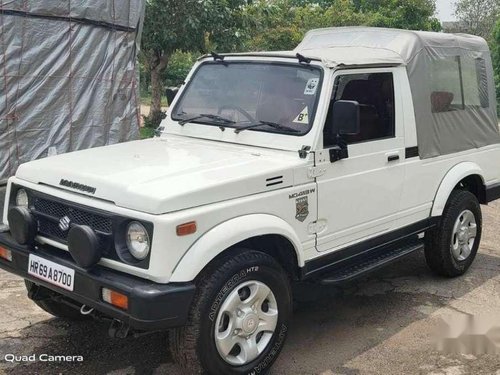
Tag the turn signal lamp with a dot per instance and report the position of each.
(5, 254)
(114, 298)
(186, 228)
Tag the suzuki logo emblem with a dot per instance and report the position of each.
(64, 223)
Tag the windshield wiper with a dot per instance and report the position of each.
(217, 118)
(274, 125)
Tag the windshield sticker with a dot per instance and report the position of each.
(311, 86)
(303, 117)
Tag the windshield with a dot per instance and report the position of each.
(277, 98)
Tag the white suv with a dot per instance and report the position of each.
(322, 164)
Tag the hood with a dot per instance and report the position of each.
(165, 174)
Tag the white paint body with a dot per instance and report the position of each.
(218, 179)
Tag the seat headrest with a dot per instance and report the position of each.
(441, 101)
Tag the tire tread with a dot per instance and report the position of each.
(437, 241)
(184, 340)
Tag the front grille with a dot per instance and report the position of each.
(110, 228)
(48, 213)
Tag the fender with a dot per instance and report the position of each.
(452, 178)
(227, 234)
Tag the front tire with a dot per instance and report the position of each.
(451, 248)
(239, 318)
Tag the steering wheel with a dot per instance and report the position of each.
(248, 116)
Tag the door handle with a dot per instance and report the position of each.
(391, 158)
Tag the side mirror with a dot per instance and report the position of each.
(345, 121)
(345, 117)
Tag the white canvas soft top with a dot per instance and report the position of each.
(372, 45)
(450, 77)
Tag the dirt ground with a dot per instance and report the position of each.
(380, 325)
(146, 108)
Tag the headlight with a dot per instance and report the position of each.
(138, 240)
(22, 198)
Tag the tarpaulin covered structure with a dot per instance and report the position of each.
(68, 77)
(451, 79)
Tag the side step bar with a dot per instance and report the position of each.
(361, 265)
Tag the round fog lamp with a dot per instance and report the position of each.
(138, 240)
(22, 198)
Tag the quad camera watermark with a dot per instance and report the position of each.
(14, 358)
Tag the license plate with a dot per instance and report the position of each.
(51, 272)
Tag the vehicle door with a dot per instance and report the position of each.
(359, 196)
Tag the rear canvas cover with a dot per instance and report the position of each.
(68, 76)
(451, 79)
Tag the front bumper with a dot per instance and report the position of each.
(151, 306)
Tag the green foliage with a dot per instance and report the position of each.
(401, 14)
(281, 24)
(147, 132)
(144, 80)
(478, 17)
(151, 122)
(496, 60)
(187, 25)
(145, 99)
(178, 68)
(172, 25)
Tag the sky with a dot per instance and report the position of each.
(446, 10)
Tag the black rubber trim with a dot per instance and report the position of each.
(152, 306)
(330, 261)
(411, 152)
(492, 193)
(87, 21)
(250, 54)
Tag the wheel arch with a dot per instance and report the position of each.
(267, 233)
(466, 175)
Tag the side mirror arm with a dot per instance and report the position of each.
(339, 151)
(158, 131)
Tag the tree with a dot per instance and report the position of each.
(478, 17)
(178, 68)
(401, 14)
(496, 60)
(169, 25)
(181, 25)
(281, 24)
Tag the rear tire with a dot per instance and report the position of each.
(53, 307)
(239, 318)
(451, 247)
